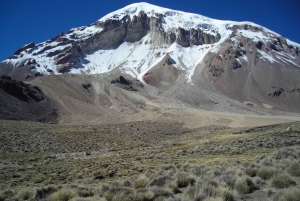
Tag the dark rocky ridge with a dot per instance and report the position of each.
(127, 84)
(20, 101)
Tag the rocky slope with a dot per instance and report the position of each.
(20, 101)
(182, 56)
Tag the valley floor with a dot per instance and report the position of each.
(147, 160)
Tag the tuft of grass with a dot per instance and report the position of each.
(84, 191)
(160, 181)
(119, 193)
(290, 194)
(144, 194)
(7, 193)
(227, 195)
(266, 172)
(282, 181)
(230, 178)
(161, 191)
(101, 190)
(43, 192)
(258, 181)
(241, 186)
(63, 195)
(140, 182)
(294, 169)
(183, 179)
(285, 153)
(26, 194)
(251, 172)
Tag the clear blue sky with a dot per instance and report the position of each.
(24, 21)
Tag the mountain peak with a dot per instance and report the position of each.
(169, 49)
(131, 38)
(174, 17)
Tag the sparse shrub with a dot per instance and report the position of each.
(209, 190)
(117, 193)
(161, 191)
(251, 172)
(159, 181)
(200, 196)
(45, 191)
(26, 194)
(282, 181)
(267, 161)
(258, 181)
(227, 195)
(117, 183)
(144, 195)
(100, 191)
(212, 182)
(169, 167)
(229, 177)
(183, 179)
(290, 194)
(251, 185)
(159, 198)
(294, 169)
(62, 195)
(173, 185)
(198, 171)
(266, 172)
(141, 182)
(127, 183)
(84, 192)
(191, 192)
(217, 172)
(285, 153)
(241, 186)
(8, 193)
(270, 192)
(124, 196)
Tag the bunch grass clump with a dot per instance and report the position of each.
(294, 169)
(63, 195)
(266, 172)
(241, 186)
(290, 194)
(282, 181)
(141, 182)
(27, 194)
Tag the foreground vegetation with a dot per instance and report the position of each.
(148, 161)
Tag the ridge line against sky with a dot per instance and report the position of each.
(36, 21)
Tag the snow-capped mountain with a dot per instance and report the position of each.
(140, 35)
(167, 48)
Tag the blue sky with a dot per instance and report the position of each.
(24, 21)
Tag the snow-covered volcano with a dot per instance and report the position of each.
(137, 37)
(167, 48)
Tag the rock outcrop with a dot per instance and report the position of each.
(22, 101)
